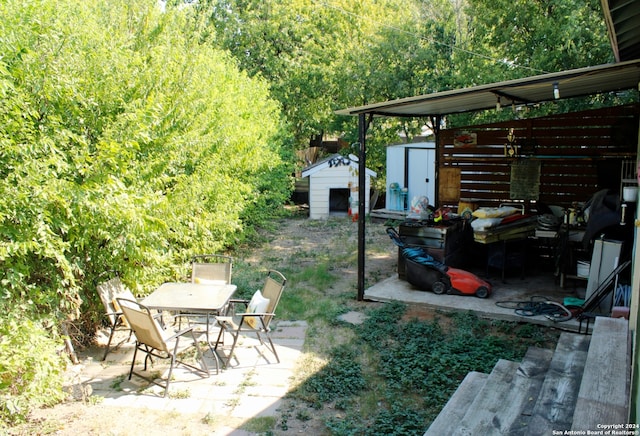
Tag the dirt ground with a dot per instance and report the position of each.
(294, 242)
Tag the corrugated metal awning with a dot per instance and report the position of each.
(535, 89)
(622, 18)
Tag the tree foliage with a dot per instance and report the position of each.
(319, 56)
(125, 143)
(323, 56)
(511, 40)
(541, 36)
(295, 45)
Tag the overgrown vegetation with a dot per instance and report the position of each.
(410, 367)
(126, 144)
(30, 368)
(393, 373)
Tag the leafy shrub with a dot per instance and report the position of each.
(30, 369)
(127, 143)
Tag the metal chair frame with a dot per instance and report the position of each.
(207, 267)
(152, 340)
(108, 292)
(272, 289)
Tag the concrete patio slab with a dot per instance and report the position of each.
(253, 387)
(507, 293)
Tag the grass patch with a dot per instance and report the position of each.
(117, 382)
(180, 394)
(316, 275)
(260, 425)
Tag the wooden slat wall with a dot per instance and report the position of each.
(579, 153)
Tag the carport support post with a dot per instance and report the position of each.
(362, 168)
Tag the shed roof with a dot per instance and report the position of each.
(535, 89)
(335, 160)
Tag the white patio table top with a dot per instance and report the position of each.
(190, 297)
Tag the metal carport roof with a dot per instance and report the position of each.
(622, 18)
(529, 90)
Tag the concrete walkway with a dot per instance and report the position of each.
(253, 387)
(504, 294)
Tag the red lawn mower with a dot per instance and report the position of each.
(427, 274)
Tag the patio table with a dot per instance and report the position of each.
(192, 298)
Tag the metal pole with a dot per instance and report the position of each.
(435, 126)
(362, 168)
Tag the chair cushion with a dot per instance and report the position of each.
(258, 304)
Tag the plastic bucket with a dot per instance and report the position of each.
(583, 268)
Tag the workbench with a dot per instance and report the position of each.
(507, 244)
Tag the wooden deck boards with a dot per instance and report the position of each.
(584, 382)
(480, 417)
(557, 400)
(604, 390)
(458, 404)
(518, 386)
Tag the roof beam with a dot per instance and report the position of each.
(513, 98)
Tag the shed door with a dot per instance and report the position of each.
(421, 164)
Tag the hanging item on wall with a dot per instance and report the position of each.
(449, 186)
(525, 180)
(511, 147)
(465, 139)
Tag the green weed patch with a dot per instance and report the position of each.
(395, 375)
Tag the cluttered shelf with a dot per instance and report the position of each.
(504, 231)
(578, 245)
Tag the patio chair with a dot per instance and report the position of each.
(207, 269)
(256, 319)
(109, 291)
(154, 341)
(211, 269)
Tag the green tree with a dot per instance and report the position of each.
(125, 143)
(510, 40)
(291, 44)
(322, 56)
(545, 36)
(399, 50)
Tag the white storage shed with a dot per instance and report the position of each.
(333, 184)
(410, 166)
